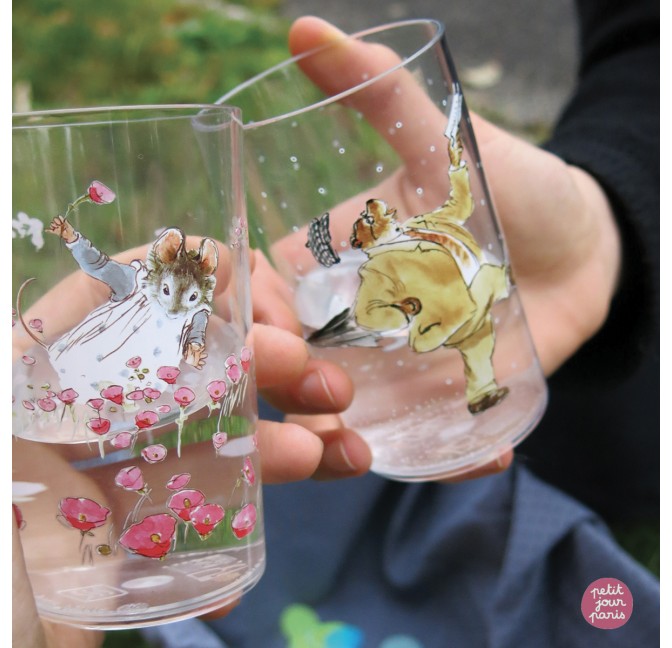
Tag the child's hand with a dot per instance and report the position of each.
(61, 227)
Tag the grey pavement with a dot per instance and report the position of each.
(516, 59)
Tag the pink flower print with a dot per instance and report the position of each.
(114, 393)
(18, 516)
(163, 409)
(184, 396)
(219, 439)
(99, 426)
(96, 403)
(150, 394)
(68, 396)
(47, 404)
(28, 360)
(244, 521)
(134, 362)
(130, 479)
(36, 325)
(217, 390)
(249, 476)
(100, 193)
(154, 453)
(122, 440)
(168, 374)
(135, 395)
(28, 405)
(82, 513)
(150, 537)
(176, 482)
(183, 502)
(205, 518)
(146, 419)
(233, 371)
(245, 358)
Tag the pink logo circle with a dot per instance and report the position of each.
(607, 603)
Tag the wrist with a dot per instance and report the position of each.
(608, 236)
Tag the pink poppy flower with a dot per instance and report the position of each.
(28, 360)
(183, 502)
(122, 440)
(217, 390)
(46, 404)
(82, 513)
(146, 419)
(205, 518)
(68, 396)
(100, 193)
(249, 476)
(219, 439)
(95, 403)
(150, 537)
(230, 360)
(134, 362)
(135, 395)
(154, 453)
(245, 358)
(28, 405)
(163, 409)
(244, 521)
(114, 393)
(233, 373)
(176, 482)
(36, 325)
(151, 394)
(168, 374)
(183, 396)
(130, 479)
(99, 426)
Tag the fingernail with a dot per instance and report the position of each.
(501, 463)
(336, 459)
(345, 457)
(313, 389)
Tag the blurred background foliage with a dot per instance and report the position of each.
(119, 52)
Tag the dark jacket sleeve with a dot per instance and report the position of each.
(611, 128)
(600, 437)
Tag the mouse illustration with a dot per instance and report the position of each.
(156, 315)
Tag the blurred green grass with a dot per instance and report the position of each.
(72, 53)
(76, 53)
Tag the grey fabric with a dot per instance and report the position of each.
(499, 562)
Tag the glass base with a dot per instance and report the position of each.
(125, 598)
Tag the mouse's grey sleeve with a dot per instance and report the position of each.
(118, 276)
(194, 332)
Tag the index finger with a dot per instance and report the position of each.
(374, 80)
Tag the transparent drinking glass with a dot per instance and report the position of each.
(136, 478)
(367, 194)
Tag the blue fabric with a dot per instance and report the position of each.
(499, 562)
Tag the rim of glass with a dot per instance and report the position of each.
(233, 111)
(438, 34)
